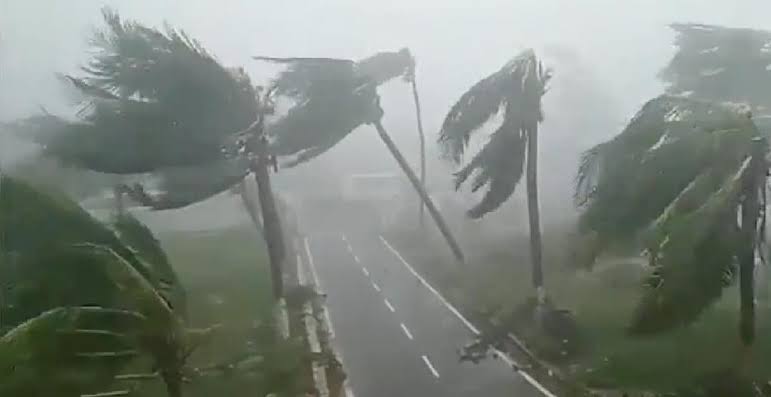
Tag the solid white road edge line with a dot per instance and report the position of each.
(406, 331)
(430, 366)
(390, 307)
(347, 390)
(508, 360)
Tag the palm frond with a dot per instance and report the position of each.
(385, 66)
(318, 124)
(334, 97)
(521, 81)
(718, 63)
(138, 237)
(588, 175)
(668, 144)
(153, 99)
(33, 221)
(77, 350)
(500, 165)
(694, 258)
(183, 186)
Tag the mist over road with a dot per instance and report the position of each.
(396, 337)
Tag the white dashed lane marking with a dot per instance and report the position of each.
(430, 366)
(375, 286)
(365, 271)
(390, 307)
(406, 331)
(506, 358)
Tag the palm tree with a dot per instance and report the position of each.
(686, 179)
(333, 97)
(157, 102)
(516, 91)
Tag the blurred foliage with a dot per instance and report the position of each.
(332, 98)
(674, 180)
(516, 91)
(717, 63)
(55, 255)
(153, 102)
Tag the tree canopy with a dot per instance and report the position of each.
(153, 102)
(332, 98)
(515, 91)
(717, 63)
(674, 180)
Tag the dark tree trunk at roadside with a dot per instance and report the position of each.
(250, 206)
(750, 213)
(438, 219)
(422, 137)
(533, 211)
(271, 222)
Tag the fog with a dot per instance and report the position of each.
(605, 55)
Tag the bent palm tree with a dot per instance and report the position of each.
(158, 103)
(516, 90)
(687, 179)
(333, 98)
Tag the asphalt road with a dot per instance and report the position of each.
(396, 336)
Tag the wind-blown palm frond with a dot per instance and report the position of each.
(674, 181)
(32, 221)
(76, 350)
(693, 253)
(670, 142)
(334, 98)
(183, 186)
(721, 64)
(138, 237)
(485, 99)
(500, 164)
(153, 100)
(517, 89)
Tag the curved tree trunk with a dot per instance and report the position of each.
(750, 213)
(249, 205)
(443, 228)
(533, 212)
(422, 137)
(274, 237)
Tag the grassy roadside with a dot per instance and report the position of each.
(602, 302)
(226, 276)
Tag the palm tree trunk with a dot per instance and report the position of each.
(438, 219)
(249, 205)
(750, 212)
(422, 137)
(274, 237)
(533, 212)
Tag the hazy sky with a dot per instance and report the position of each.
(616, 47)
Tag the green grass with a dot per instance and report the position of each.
(226, 277)
(497, 280)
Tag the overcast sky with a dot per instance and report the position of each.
(614, 49)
